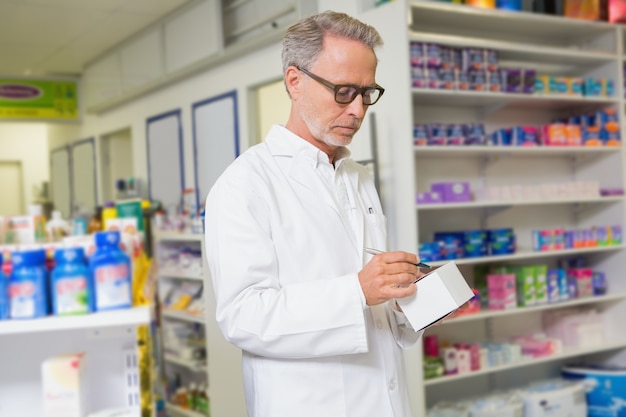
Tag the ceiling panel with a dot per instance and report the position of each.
(38, 37)
(108, 5)
(48, 25)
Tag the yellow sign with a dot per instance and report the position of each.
(38, 99)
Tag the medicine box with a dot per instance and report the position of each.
(439, 293)
(452, 192)
(63, 386)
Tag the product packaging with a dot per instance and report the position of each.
(28, 285)
(70, 283)
(606, 388)
(64, 393)
(4, 293)
(110, 273)
(438, 294)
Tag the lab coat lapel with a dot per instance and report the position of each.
(359, 219)
(301, 171)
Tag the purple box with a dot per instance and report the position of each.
(452, 191)
(512, 80)
(429, 197)
(528, 84)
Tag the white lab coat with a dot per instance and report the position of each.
(284, 250)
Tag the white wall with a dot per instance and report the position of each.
(28, 143)
(254, 69)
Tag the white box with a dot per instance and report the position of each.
(63, 390)
(439, 293)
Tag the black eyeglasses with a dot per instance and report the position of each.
(346, 93)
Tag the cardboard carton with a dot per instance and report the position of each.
(438, 294)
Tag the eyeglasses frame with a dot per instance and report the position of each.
(335, 87)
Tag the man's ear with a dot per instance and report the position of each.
(293, 80)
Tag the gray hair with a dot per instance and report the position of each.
(304, 40)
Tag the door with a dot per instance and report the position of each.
(12, 187)
(117, 161)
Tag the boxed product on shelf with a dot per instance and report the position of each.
(501, 291)
(525, 284)
(453, 191)
(575, 328)
(429, 197)
(543, 398)
(63, 383)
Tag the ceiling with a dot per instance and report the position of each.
(58, 37)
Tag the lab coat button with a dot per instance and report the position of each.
(379, 324)
(392, 385)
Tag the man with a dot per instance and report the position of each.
(287, 225)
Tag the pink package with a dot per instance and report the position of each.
(463, 361)
(537, 347)
(584, 280)
(554, 134)
(501, 292)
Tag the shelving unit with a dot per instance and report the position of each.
(106, 339)
(94, 322)
(550, 45)
(221, 370)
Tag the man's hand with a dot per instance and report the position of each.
(389, 275)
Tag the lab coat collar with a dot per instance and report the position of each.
(283, 142)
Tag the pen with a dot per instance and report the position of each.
(378, 252)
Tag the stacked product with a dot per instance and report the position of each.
(442, 67)
(597, 128)
(68, 283)
(559, 238)
(545, 191)
(470, 243)
(507, 287)
(571, 329)
(449, 134)
(549, 398)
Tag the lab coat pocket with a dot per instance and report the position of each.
(313, 386)
(376, 231)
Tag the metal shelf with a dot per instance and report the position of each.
(494, 314)
(570, 353)
(486, 204)
(116, 318)
(526, 151)
(529, 255)
(469, 98)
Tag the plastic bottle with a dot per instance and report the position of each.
(95, 224)
(202, 401)
(191, 398)
(110, 273)
(57, 228)
(4, 293)
(28, 286)
(109, 212)
(70, 283)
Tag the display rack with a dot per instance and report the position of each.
(106, 339)
(221, 371)
(549, 44)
